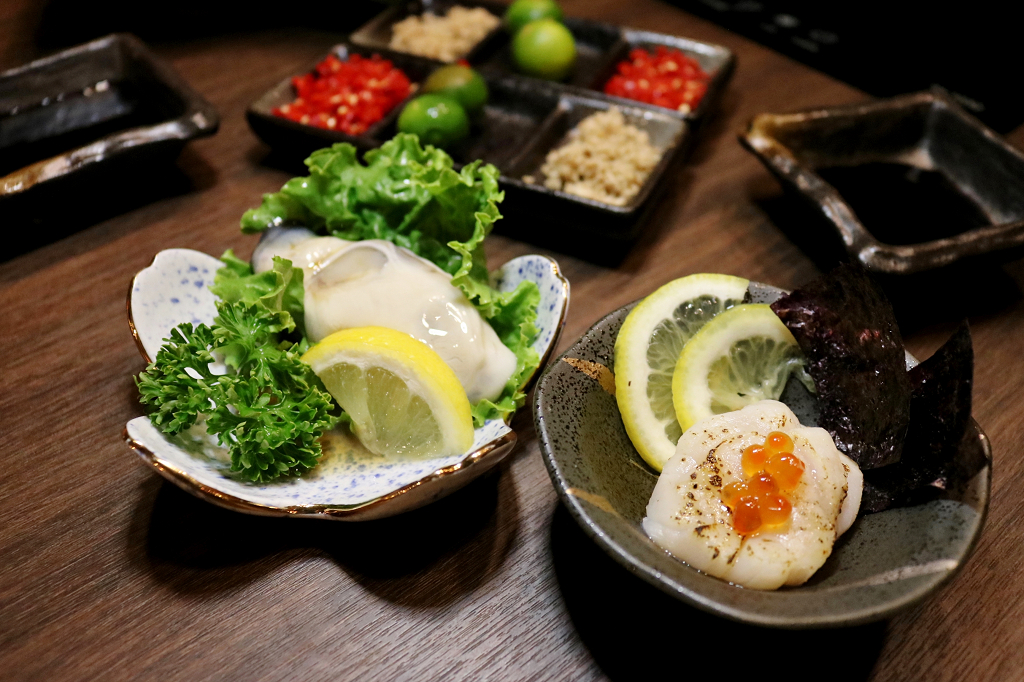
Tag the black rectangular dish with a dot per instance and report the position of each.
(105, 104)
(717, 61)
(376, 34)
(543, 214)
(522, 122)
(300, 140)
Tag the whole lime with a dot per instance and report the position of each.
(437, 119)
(522, 12)
(462, 84)
(545, 49)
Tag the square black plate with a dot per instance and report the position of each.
(107, 102)
(967, 182)
(523, 120)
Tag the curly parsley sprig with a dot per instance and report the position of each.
(269, 409)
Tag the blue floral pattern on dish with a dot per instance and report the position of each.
(174, 289)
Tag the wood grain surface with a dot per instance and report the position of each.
(109, 573)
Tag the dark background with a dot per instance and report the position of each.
(879, 46)
(887, 48)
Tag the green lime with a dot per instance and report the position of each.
(437, 119)
(522, 12)
(545, 49)
(461, 83)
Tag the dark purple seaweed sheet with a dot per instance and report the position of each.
(846, 328)
(939, 451)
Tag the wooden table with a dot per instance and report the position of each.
(108, 572)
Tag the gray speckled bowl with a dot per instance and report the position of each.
(886, 562)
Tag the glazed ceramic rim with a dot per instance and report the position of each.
(981, 483)
(490, 454)
(480, 460)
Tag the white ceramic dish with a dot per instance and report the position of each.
(348, 483)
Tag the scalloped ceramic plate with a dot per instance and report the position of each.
(349, 483)
(884, 563)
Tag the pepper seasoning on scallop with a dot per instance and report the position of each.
(732, 523)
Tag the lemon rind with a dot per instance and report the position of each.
(631, 372)
(416, 363)
(691, 396)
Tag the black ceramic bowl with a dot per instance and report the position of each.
(910, 183)
(110, 102)
(884, 563)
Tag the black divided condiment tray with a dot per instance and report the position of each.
(525, 118)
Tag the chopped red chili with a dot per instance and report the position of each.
(349, 96)
(666, 78)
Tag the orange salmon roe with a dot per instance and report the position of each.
(777, 441)
(770, 468)
(762, 484)
(775, 510)
(785, 468)
(733, 492)
(754, 457)
(746, 517)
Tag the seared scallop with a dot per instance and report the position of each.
(688, 515)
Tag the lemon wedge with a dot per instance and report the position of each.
(743, 355)
(647, 349)
(403, 399)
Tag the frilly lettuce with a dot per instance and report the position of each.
(411, 195)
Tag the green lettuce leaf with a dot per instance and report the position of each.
(278, 290)
(407, 194)
(412, 196)
(515, 314)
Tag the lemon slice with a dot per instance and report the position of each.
(647, 348)
(743, 355)
(403, 399)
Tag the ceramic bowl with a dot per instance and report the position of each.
(349, 483)
(885, 562)
(925, 133)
